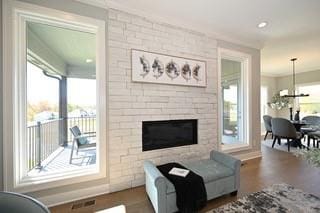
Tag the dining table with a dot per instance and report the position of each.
(298, 125)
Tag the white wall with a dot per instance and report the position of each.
(285, 82)
(271, 84)
(1, 101)
(131, 103)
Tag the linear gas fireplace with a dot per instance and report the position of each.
(169, 133)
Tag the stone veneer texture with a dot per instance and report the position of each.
(130, 103)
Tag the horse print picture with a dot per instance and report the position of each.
(167, 69)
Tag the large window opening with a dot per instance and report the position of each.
(309, 105)
(234, 116)
(61, 100)
(55, 91)
(231, 94)
(264, 106)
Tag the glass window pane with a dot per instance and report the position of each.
(232, 131)
(309, 105)
(61, 100)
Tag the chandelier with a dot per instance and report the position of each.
(294, 95)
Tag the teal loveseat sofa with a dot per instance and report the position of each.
(220, 173)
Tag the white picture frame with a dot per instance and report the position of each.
(159, 68)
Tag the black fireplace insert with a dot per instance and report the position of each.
(169, 133)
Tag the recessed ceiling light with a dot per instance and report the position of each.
(262, 24)
(88, 60)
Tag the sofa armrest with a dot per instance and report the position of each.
(228, 161)
(156, 187)
(225, 159)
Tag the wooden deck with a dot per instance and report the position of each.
(59, 161)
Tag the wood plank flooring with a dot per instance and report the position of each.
(274, 167)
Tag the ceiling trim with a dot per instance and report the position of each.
(110, 4)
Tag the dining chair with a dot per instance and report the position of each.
(81, 140)
(284, 129)
(267, 125)
(18, 203)
(312, 129)
(315, 136)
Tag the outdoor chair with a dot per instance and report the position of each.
(82, 140)
(283, 128)
(267, 125)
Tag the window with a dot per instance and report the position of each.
(231, 93)
(309, 105)
(234, 116)
(57, 73)
(264, 104)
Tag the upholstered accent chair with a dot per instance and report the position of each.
(284, 129)
(267, 124)
(18, 203)
(312, 130)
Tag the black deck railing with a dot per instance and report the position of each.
(46, 137)
(85, 124)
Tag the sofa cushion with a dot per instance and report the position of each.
(209, 170)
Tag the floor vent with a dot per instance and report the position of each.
(77, 206)
(89, 203)
(84, 204)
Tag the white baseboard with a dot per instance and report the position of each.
(249, 155)
(66, 197)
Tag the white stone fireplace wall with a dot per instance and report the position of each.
(131, 103)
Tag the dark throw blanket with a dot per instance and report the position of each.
(190, 190)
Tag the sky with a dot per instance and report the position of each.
(42, 88)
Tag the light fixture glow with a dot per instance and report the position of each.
(89, 60)
(262, 24)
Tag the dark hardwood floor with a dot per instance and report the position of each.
(274, 167)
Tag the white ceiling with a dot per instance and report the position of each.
(293, 29)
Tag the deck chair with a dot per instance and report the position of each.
(82, 140)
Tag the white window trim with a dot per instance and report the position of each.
(245, 60)
(15, 14)
(267, 111)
